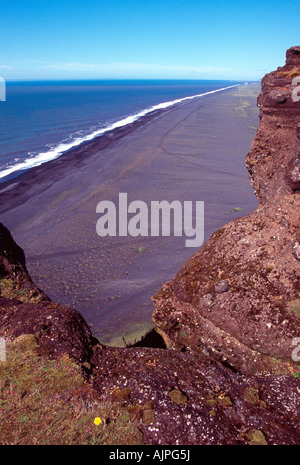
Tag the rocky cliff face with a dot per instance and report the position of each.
(25, 309)
(175, 397)
(231, 313)
(237, 299)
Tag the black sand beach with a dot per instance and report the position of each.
(193, 151)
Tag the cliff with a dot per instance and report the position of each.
(25, 309)
(236, 300)
(228, 317)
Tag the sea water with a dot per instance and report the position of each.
(41, 120)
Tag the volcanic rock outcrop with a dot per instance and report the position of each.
(25, 309)
(175, 397)
(231, 314)
(237, 299)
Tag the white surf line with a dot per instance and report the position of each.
(61, 148)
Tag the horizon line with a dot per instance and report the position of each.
(124, 79)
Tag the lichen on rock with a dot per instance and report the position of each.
(228, 317)
(231, 296)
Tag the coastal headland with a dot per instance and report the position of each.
(229, 374)
(192, 151)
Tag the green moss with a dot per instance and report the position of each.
(121, 394)
(241, 109)
(296, 374)
(256, 438)
(12, 290)
(251, 395)
(7, 283)
(177, 396)
(148, 416)
(211, 401)
(294, 306)
(47, 402)
(224, 401)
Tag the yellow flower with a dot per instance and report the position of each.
(97, 421)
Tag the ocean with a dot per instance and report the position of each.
(41, 120)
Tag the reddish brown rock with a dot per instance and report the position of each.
(175, 397)
(293, 56)
(59, 330)
(248, 325)
(231, 313)
(13, 272)
(25, 309)
(179, 398)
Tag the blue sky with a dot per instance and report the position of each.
(189, 39)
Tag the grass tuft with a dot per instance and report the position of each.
(48, 402)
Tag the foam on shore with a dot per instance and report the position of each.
(63, 147)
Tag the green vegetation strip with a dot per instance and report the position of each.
(44, 402)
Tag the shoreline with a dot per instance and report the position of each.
(119, 124)
(59, 166)
(194, 150)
